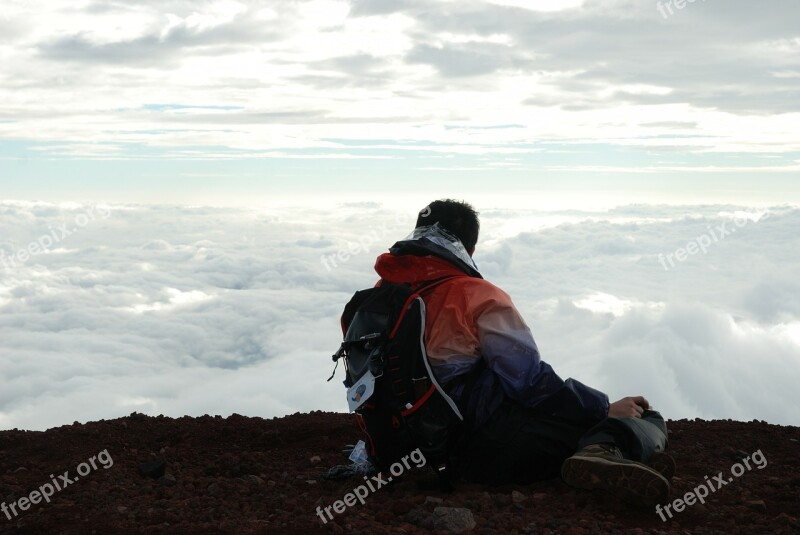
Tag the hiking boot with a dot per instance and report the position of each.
(602, 467)
(664, 463)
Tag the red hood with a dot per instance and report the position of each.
(413, 269)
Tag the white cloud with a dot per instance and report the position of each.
(190, 310)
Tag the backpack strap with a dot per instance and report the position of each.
(444, 472)
(471, 377)
(425, 288)
(429, 285)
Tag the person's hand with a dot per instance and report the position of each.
(630, 407)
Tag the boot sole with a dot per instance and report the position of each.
(663, 463)
(632, 482)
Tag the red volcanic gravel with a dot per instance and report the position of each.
(251, 475)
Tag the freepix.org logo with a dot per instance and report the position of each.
(56, 484)
(12, 256)
(702, 243)
(709, 486)
(665, 8)
(374, 236)
(361, 492)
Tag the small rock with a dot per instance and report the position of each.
(420, 518)
(453, 519)
(154, 469)
(168, 480)
(502, 500)
(336, 528)
(433, 499)
(311, 481)
(757, 505)
(518, 497)
(783, 519)
(399, 507)
(253, 479)
(315, 459)
(121, 509)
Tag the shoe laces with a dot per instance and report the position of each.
(607, 449)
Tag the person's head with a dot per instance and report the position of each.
(457, 217)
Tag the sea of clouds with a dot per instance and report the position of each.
(110, 309)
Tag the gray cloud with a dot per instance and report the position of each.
(356, 70)
(465, 60)
(362, 8)
(710, 55)
(176, 43)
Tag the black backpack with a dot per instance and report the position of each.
(398, 402)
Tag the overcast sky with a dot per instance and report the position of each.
(245, 101)
(177, 178)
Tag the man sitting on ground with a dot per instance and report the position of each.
(525, 422)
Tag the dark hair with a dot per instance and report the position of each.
(458, 217)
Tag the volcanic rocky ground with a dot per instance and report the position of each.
(251, 475)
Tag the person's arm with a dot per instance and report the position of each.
(511, 353)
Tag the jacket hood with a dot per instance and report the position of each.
(429, 253)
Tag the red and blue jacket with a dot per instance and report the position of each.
(468, 319)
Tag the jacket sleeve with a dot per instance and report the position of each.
(510, 351)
